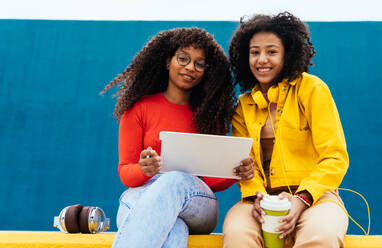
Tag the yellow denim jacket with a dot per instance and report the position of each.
(309, 151)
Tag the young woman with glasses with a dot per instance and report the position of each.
(180, 81)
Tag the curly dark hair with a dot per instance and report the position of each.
(294, 35)
(212, 100)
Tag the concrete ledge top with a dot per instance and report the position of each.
(55, 239)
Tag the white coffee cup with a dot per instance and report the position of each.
(275, 209)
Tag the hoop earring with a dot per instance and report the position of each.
(168, 66)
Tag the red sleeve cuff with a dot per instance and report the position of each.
(132, 175)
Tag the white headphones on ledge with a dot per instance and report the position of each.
(76, 218)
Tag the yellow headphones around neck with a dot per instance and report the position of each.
(272, 94)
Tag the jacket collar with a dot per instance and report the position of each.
(257, 88)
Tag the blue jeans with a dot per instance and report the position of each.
(162, 212)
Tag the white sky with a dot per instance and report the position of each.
(223, 10)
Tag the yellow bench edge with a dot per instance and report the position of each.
(54, 239)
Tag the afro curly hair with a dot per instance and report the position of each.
(294, 35)
(212, 100)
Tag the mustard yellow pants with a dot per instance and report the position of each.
(322, 225)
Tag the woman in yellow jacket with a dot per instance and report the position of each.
(298, 142)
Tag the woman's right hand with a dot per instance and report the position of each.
(257, 211)
(150, 162)
(245, 171)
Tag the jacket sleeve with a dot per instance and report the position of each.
(129, 147)
(239, 129)
(328, 139)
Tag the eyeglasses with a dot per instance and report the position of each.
(183, 60)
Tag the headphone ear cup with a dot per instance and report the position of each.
(84, 219)
(71, 218)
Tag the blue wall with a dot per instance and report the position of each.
(58, 138)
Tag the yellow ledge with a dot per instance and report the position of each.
(28, 239)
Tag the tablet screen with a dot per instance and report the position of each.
(203, 155)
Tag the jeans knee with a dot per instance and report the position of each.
(176, 176)
(176, 179)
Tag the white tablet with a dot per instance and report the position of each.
(203, 155)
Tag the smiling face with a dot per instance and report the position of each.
(186, 68)
(266, 57)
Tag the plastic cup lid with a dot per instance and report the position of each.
(273, 203)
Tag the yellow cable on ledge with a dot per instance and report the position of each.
(368, 210)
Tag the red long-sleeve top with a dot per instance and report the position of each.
(139, 128)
